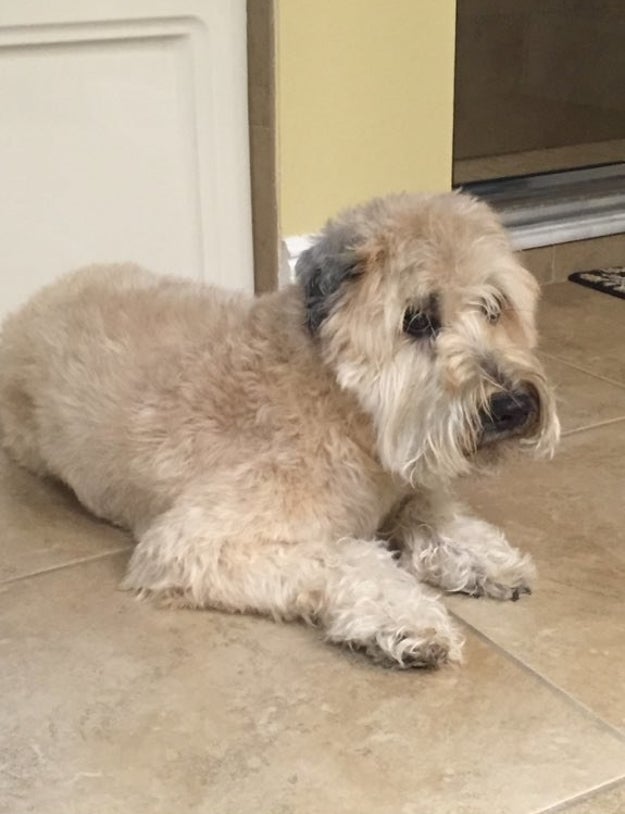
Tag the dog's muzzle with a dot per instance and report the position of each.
(509, 413)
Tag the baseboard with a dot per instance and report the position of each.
(558, 207)
(290, 250)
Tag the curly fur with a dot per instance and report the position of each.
(294, 454)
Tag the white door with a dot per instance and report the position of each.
(123, 136)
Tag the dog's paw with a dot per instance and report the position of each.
(501, 578)
(486, 586)
(472, 557)
(398, 623)
(419, 649)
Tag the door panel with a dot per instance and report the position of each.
(123, 137)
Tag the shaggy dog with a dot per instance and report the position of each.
(294, 454)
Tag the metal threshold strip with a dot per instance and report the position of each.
(558, 207)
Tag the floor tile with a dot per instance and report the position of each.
(603, 802)
(583, 400)
(43, 526)
(585, 328)
(570, 514)
(111, 705)
(585, 255)
(540, 262)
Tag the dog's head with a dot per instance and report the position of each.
(423, 311)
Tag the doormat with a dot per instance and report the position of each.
(610, 281)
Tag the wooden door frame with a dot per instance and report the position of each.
(261, 67)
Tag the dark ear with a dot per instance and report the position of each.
(322, 270)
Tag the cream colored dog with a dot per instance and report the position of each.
(293, 455)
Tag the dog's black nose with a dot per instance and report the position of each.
(510, 411)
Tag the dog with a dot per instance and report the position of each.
(294, 454)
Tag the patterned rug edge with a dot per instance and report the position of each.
(607, 281)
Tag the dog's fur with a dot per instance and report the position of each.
(293, 454)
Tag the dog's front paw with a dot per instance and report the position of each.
(472, 557)
(406, 628)
(510, 584)
(500, 572)
(406, 649)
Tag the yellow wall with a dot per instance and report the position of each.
(364, 102)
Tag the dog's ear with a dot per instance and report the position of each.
(322, 270)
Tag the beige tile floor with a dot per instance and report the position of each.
(110, 706)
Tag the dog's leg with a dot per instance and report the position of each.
(443, 546)
(353, 589)
(368, 603)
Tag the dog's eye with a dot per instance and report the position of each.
(421, 324)
(492, 311)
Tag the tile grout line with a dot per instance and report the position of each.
(68, 564)
(571, 699)
(577, 367)
(580, 798)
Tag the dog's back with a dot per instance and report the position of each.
(92, 360)
(134, 388)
